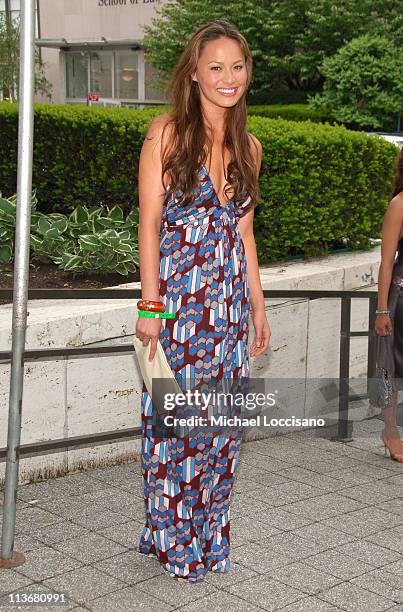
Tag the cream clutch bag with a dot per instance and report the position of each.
(157, 368)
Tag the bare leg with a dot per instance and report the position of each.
(391, 434)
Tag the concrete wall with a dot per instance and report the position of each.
(91, 19)
(75, 396)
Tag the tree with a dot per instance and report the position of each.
(289, 38)
(363, 82)
(10, 62)
(317, 30)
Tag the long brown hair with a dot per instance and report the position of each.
(398, 180)
(188, 135)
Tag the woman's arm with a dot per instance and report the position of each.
(391, 230)
(151, 199)
(245, 226)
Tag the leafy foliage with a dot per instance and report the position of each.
(87, 240)
(7, 228)
(364, 82)
(81, 155)
(292, 112)
(10, 62)
(322, 186)
(289, 38)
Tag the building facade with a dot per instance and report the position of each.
(95, 47)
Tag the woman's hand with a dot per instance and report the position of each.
(262, 333)
(148, 330)
(383, 325)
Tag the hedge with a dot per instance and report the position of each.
(82, 155)
(291, 112)
(302, 112)
(322, 186)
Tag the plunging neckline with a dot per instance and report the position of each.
(224, 206)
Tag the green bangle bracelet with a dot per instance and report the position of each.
(148, 314)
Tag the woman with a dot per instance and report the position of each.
(389, 320)
(198, 174)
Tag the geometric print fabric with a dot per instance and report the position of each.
(188, 481)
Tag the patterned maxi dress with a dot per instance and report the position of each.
(188, 481)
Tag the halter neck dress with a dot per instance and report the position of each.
(188, 481)
(389, 349)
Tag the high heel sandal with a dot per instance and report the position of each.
(394, 456)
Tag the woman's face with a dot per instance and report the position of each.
(221, 72)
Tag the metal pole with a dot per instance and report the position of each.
(345, 327)
(21, 273)
(372, 341)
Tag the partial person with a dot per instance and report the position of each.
(389, 320)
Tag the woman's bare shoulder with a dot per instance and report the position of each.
(256, 142)
(397, 202)
(254, 138)
(157, 126)
(257, 150)
(394, 213)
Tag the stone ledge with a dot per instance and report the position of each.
(54, 323)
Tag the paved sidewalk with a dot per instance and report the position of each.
(316, 526)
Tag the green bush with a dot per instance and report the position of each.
(81, 155)
(88, 240)
(358, 96)
(306, 112)
(322, 186)
(291, 112)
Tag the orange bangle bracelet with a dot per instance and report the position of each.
(151, 306)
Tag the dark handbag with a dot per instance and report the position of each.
(381, 385)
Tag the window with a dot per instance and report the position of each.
(115, 74)
(111, 74)
(14, 8)
(101, 73)
(126, 75)
(76, 75)
(152, 91)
